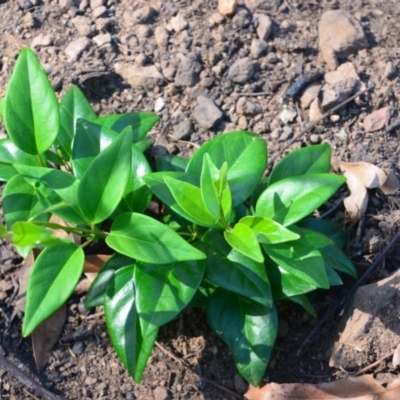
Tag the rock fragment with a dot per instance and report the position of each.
(178, 23)
(188, 71)
(96, 3)
(102, 39)
(84, 25)
(183, 129)
(338, 92)
(258, 48)
(227, 7)
(42, 41)
(339, 30)
(76, 48)
(206, 113)
(241, 70)
(99, 11)
(161, 36)
(378, 119)
(267, 5)
(144, 14)
(147, 77)
(315, 110)
(244, 106)
(309, 94)
(264, 26)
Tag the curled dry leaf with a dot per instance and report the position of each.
(45, 336)
(360, 177)
(354, 388)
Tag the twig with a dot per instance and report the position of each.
(253, 94)
(27, 381)
(311, 125)
(392, 126)
(345, 301)
(187, 366)
(374, 364)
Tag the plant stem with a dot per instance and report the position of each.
(41, 162)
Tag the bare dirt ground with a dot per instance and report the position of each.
(181, 52)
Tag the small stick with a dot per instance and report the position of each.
(374, 364)
(311, 125)
(344, 302)
(187, 366)
(27, 381)
(392, 126)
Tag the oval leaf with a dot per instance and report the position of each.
(123, 323)
(252, 339)
(145, 239)
(306, 160)
(104, 182)
(292, 199)
(246, 156)
(31, 114)
(53, 278)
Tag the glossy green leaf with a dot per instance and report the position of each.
(243, 239)
(31, 114)
(90, 139)
(144, 144)
(292, 199)
(215, 191)
(20, 202)
(53, 278)
(57, 191)
(169, 162)
(333, 256)
(248, 328)
(2, 101)
(240, 275)
(11, 154)
(306, 160)
(28, 234)
(300, 259)
(124, 325)
(147, 240)
(97, 290)
(104, 182)
(268, 231)
(302, 300)
(73, 106)
(172, 287)
(246, 156)
(330, 229)
(286, 285)
(141, 123)
(188, 198)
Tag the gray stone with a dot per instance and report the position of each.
(241, 19)
(183, 129)
(96, 3)
(390, 70)
(339, 30)
(102, 39)
(178, 23)
(161, 36)
(241, 70)
(42, 41)
(188, 70)
(240, 384)
(84, 25)
(227, 7)
(258, 48)
(144, 14)
(147, 77)
(142, 31)
(309, 94)
(25, 4)
(160, 393)
(378, 119)
(67, 3)
(315, 110)
(244, 106)
(264, 26)
(267, 5)
(338, 92)
(206, 113)
(78, 348)
(99, 11)
(76, 48)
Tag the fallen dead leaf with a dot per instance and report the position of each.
(360, 177)
(354, 388)
(45, 336)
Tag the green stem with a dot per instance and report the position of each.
(41, 162)
(73, 230)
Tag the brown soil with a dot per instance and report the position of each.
(83, 364)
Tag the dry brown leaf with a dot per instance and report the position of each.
(360, 177)
(45, 336)
(354, 388)
(396, 356)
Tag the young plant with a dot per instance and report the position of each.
(230, 240)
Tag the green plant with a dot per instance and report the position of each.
(230, 239)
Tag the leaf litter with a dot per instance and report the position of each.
(354, 388)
